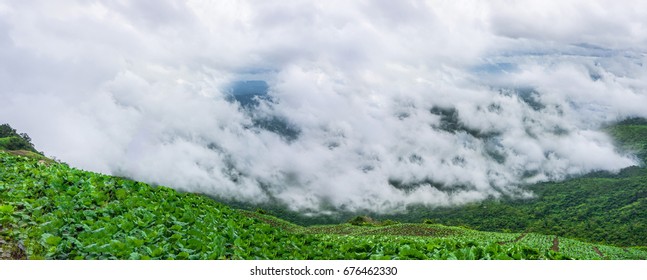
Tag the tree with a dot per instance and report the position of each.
(11, 140)
(27, 139)
(6, 131)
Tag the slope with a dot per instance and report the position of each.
(600, 207)
(52, 211)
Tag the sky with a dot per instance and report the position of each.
(391, 103)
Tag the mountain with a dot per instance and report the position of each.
(601, 207)
(53, 211)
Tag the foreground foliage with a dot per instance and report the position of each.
(49, 210)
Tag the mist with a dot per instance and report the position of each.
(363, 105)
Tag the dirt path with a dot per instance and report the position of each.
(515, 240)
(10, 250)
(555, 247)
(3, 255)
(598, 251)
(520, 237)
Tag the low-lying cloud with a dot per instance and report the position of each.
(372, 105)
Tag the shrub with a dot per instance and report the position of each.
(362, 221)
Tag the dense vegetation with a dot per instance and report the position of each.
(11, 140)
(50, 210)
(600, 207)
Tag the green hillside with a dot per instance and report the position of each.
(11, 140)
(49, 210)
(599, 207)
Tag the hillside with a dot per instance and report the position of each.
(52, 211)
(49, 210)
(11, 140)
(599, 207)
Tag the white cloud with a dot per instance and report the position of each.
(464, 100)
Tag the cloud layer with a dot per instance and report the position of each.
(389, 104)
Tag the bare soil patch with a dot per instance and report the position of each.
(555, 247)
(515, 240)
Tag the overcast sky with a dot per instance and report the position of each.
(139, 89)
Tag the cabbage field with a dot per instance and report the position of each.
(49, 210)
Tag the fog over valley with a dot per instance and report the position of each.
(338, 105)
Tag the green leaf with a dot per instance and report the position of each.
(176, 236)
(157, 252)
(134, 256)
(6, 209)
(183, 256)
(121, 194)
(51, 240)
